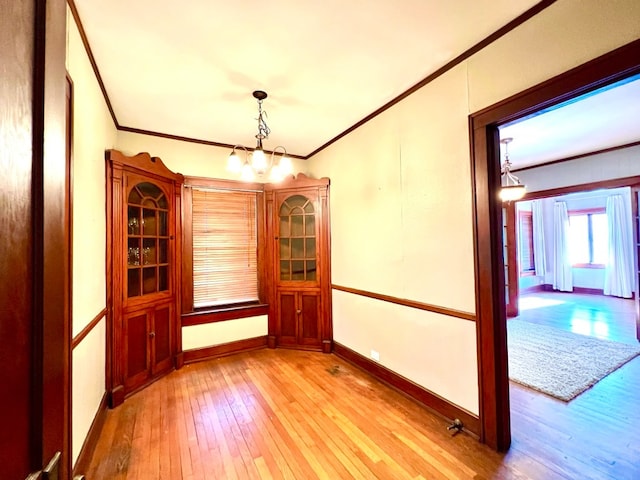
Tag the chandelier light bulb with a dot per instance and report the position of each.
(234, 164)
(276, 174)
(285, 166)
(510, 193)
(259, 161)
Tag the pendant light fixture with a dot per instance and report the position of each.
(255, 163)
(511, 189)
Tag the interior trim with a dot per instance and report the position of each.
(576, 157)
(91, 440)
(86, 330)
(92, 60)
(224, 349)
(583, 187)
(432, 401)
(487, 227)
(408, 303)
(223, 314)
(193, 140)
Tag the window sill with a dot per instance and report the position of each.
(222, 314)
(588, 265)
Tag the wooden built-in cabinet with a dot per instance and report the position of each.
(143, 268)
(299, 264)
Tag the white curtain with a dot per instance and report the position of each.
(618, 273)
(562, 273)
(539, 256)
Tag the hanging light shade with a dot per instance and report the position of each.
(511, 188)
(257, 164)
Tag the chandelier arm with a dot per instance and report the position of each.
(511, 177)
(246, 151)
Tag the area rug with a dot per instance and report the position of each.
(560, 363)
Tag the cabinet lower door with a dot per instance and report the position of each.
(309, 319)
(299, 319)
(137, 354)
(148, 345)
(288, 319)
(161, 340)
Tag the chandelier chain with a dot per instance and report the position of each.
(263, 128)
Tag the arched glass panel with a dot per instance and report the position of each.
(147, 240)
(297, 239)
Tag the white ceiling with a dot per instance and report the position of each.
(606, 118)
(189, 68)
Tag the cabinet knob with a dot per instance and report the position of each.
(152, 334)
(298, 312)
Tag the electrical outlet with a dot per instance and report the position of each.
(375, 355)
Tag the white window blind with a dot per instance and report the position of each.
(224, 247)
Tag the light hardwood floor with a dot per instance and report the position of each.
(595, 435)
(302, 415)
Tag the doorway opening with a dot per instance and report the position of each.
(490, 276)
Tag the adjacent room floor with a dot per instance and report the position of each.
(595, 435)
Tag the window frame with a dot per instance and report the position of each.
(522, 215)
(588, 212)
(201, 315)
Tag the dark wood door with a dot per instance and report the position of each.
(34, 273)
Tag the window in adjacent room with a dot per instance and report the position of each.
(589, 238)
(224, 232)
(527, 259)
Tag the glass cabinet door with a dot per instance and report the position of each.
(147, 240)
(297, 239)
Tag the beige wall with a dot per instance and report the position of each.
(94, 131)
(594, 168)
(401, 210)
(202, 336)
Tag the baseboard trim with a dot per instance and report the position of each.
(433, 402)
(547, 287)
(91, 440)
(532, 289)
(224, 349)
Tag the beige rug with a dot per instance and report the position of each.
(560, 363)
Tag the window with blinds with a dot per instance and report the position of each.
(224, 230)
(527, 259)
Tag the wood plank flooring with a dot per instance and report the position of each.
(283, 414)
(303, 415)
(596, 435)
